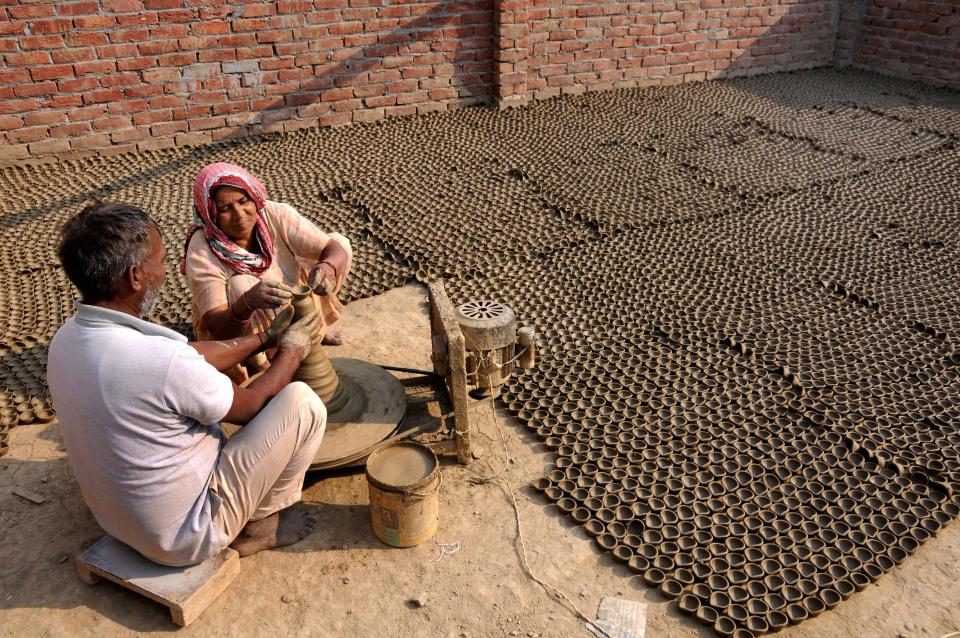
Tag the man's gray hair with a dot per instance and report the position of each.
(100, 244)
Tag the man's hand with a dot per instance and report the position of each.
(293, 345)
(280, 323)
(266, 295)
(323, 279)
(298, 338)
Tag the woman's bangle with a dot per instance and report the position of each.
(263, 339)
(336, 273)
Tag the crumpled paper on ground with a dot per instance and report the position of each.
(620, 618)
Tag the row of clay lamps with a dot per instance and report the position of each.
(472, 221)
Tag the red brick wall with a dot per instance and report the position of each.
(107, 76)
(134, 74)
(911, 38)
(577, 44)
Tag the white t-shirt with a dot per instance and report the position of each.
(139, 411)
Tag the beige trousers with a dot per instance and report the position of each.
(261, 467)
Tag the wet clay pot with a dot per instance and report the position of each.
(606, 540)
(844, 588)
(777, 620)
(671, 588)
(757, 625)
(830, 598)
(724, 626)
(738, 613)
(707, 615)
(796, 613)
(689, 604)
(638, 564)
(623, 553)
(814, 606)
(654, 577)
(738, 594)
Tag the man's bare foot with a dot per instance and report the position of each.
(333, 337)
(280, 529)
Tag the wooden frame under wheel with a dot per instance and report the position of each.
(450, 361)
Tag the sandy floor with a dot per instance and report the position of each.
(342, 582)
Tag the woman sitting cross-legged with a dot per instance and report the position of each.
(250, 253)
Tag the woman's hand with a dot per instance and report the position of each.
(266, 295)
(323, 279)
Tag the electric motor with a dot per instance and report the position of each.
(490, 338)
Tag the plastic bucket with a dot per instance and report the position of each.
(404, 480)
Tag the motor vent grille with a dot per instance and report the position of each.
(481, 309)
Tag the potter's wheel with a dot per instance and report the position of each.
(375, 406)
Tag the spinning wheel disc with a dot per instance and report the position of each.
(375, 406)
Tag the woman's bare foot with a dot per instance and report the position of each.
(333, 337)
(280, 529)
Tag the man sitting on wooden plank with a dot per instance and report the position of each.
(139, 407)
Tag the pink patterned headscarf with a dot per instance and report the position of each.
(236, 258)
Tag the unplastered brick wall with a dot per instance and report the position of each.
(580, 44)
(108, 76)
(911, 38)
(119, 75)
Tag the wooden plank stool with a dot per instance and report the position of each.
(187, 591)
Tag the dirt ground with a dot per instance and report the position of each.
(342, 582)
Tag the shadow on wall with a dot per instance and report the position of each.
(452, 53)
(792, 36)
(447, 55)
